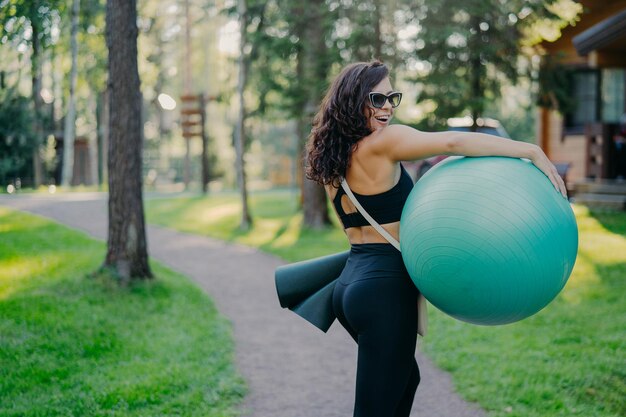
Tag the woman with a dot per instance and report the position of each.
(374, 298)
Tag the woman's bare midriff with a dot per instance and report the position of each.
(367, 234)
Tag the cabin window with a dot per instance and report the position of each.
(585, 92)
(613, 94)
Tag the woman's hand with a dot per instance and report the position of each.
(541, 161)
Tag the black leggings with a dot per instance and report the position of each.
(375, 300)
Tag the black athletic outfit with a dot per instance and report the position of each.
(375, 300)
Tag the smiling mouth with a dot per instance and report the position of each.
(384, 118)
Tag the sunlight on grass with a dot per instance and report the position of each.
(15, 273)
(583, 276)
(265, 231)
(596, 243)
(598, 246)
(208, 216)
(290, 235)
(16, 270)
(7, 227)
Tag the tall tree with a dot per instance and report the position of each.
(313, 64)
(127, 252)
(70, 117)
(367, 31)
(240, 130)
(468, 50)
(458, 42)
(291, 62)
(94, 72)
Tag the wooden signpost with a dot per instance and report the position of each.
(193, 118)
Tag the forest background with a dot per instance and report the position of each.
(261, 68)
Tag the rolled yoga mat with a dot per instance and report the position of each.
(306, 287)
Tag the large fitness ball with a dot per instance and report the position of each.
(488, 240)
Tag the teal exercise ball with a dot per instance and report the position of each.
(488, 240)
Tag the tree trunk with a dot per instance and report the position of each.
(70, 117)
(240, 133)
(93, 141)
(301, 122)
(314, 70)
(393, 57)
(315, 205)
(476, 74)
(378, 42)
(204, 157)
(103, 136)
(477, 91)
(187, 86)
(36, 94)
(56, 79)
(127, 252)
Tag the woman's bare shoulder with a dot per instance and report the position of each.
(398, 130)
(381, 140)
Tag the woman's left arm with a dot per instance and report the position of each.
(403, 143)
(480, 144)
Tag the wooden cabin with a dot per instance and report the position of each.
(589, 140)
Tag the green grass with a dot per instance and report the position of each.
(76, 344)
(568, 360)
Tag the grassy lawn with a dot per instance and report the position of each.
(72, 344)
(568, 360)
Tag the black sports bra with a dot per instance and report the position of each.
(385, 207)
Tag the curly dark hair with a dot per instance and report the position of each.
(342, 122)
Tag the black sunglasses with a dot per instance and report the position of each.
(377, 100)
